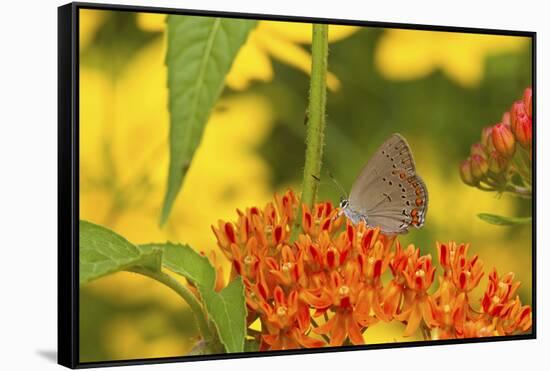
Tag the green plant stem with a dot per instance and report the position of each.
(187, 295)
(315, 120)
(492, 186)
(509, 188)
(520, 191)
(316, 114)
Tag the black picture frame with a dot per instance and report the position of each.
(68, 182)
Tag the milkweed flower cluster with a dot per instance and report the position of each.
(504, 153)
(337, 279)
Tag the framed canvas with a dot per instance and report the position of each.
(240, 185)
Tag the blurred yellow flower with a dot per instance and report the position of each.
(412, 54)
(280, 40)
(152, 22)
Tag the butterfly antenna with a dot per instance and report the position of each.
(338, 185)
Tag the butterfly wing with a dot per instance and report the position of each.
(388, 191)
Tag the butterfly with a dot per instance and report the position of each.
(388, 193)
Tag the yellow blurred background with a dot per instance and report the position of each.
(381, 81)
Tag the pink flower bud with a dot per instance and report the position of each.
(506, 119)
(479, 166)
(524, 133)
(478, 149)
(486, 135)
(503, 140)
(465, 171)
(528, 101)
(497, 163)
(517, 114)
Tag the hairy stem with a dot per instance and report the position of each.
(316, 114)
(315, 119)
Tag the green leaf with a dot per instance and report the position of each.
(226, 309)
(103, 252)
(504, 220)
(200, 53)
(182, 259)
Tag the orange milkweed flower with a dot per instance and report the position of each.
(417, 306)
(501, 313)
(342, 294)
(286, 320)
(393, 292)
(498, 302)
(327, 287)
(450, 311)
(465, 273)
(496, 299)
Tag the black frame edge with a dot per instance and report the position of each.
(67, 324)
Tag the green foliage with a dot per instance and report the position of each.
(102, 252)
(504, 220)
(228, 312)
(200, 53)
(182, 259)
(226, 309)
